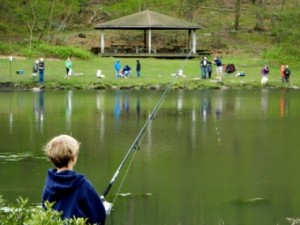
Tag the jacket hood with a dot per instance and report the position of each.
(62, 183)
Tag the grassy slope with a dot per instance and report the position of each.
(216, 16)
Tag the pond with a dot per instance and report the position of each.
(208, 157)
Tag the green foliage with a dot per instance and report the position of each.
(283, 54)
(285, 33)
(286, 29)
(44, 50)
(62, 51)
(6, 48)
(23, 213)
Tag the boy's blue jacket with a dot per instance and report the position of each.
(74, 196)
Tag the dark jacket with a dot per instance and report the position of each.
(35, 68)
(138, 66)
(287, 72)
(41, 65)
(74, 195)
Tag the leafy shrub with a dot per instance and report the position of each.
(44, 50)
(283, 55)
(5, 48)
(62, 51)
(24, 214)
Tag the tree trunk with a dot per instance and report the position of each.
(31, 25)
(237, 14)
(260, 16)
(50, 22)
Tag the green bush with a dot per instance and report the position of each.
(62, 51)
(22, 213)
(5, 48)
(47, 51)
(283, 55)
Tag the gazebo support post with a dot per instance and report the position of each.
(149, 40)
(189, 44)
(145, 38)
(102, 41)
(194, 44)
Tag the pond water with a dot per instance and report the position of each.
(209, 157)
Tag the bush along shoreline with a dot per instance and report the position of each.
(23, 213)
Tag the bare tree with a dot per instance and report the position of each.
(260, 16)
(50, 21)
(237, 14)
(31, 24)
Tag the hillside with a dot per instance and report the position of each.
(230, 27)
(218, 34)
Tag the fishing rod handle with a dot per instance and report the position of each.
(107, 189)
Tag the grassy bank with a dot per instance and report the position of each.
(156, 73)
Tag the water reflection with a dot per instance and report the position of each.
(219, 104)
(11, 115)
(117, 109)
(123, 104)
(39, 109)
(205, 105)
(264, 101)
(284, 103)
(101, 112)
(180, 150)
(69, 110)
(138, 106)
(180, 100)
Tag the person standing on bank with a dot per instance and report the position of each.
(71, 192)
(287, 73)
(209, 69)
(68, 65)
(41, 70)
(138, 68)
(265, 75)
(282, 67)
(219, 68)
(117, 67)
(203, 64)
(35, 69)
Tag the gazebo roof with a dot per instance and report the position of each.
(148, 20)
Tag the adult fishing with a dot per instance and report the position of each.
(136, 143)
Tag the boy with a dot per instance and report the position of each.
(68, 65)
(219, 69)
(287, 74)
(71, 192)
(41, 70)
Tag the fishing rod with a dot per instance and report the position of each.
(139, 137)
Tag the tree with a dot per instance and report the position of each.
(260, 16)
(237, 14)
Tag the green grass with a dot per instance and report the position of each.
(154, 72)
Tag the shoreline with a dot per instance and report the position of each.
(196, 85)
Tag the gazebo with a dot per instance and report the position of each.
(147, 21)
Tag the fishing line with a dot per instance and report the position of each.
(218, 134)
(141, 134)
(217, 117)
(124, 177)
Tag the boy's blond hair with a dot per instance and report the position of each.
(61, 149)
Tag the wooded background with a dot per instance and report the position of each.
(255, 26)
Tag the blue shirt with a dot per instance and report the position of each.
(74, 196)
(218, 62)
